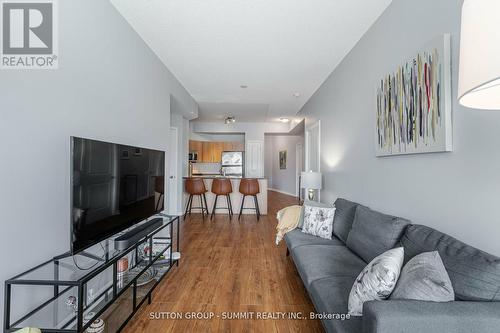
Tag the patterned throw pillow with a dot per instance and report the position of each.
(318, 221)
(377, 281)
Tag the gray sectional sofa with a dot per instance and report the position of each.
(328, 269)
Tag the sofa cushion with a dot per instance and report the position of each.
(330, 295)
(405, 316)
(296, 238)
(311, 204)
(319, 261)
(374, 233)
(475, 274)
(344, 217)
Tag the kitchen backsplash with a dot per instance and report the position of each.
(206, 168)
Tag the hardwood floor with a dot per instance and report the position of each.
(230, 266)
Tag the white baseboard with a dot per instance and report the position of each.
(283, 192)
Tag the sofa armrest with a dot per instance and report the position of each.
(430, 317)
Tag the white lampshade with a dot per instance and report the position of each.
(479, 81)
(311, 180)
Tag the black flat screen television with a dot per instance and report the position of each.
(113, 187)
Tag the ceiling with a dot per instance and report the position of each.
(276, 48)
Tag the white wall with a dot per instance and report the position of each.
(109, 86)
(252, 131)
(218, 137)
(283, 180)
(457, 193)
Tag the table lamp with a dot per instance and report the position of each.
(311, 181)
(479, 73)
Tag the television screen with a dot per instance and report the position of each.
(113, 187)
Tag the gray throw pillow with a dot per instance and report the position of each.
(475, 274)
(311, 204)
(424, 278)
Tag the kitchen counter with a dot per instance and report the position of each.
(236, 196)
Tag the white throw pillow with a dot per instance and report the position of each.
(377, 281)
(318, 221)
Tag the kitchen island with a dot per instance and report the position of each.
(236, 196)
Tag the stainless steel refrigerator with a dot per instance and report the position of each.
(233, 163)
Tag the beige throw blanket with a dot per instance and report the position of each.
(288, 219)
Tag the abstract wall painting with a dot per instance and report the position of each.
(414, 104)
(282, 155)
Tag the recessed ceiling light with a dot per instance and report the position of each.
(229, 120)
(284, 120)
(296, 94)
(243, 86)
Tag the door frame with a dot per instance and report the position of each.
(308, 130)
(172, 183)
(299, 164)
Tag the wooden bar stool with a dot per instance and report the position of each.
(196, 186)
(250, 187)
(222, 187)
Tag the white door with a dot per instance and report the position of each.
(173, 179)
(299, 167)
(254, 159)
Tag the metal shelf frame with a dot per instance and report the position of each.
(110, 294)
